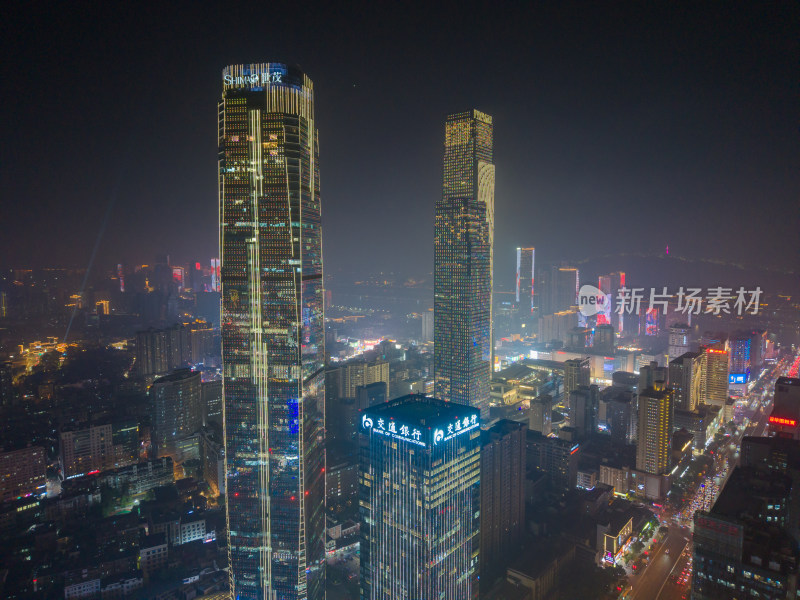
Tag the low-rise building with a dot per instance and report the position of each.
(153, 554)
(538, 570)
(141, 477)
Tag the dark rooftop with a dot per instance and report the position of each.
(501, 428)
(743, 495)
(683, 356)
(178, 375)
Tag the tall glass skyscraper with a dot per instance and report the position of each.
(272, 332)
(525, 280)
(463, 236)
(419, 497)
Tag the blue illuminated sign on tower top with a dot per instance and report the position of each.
(420, 420)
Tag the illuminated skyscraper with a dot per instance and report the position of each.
(610, 284)
(272, 332)
(525, 280)
(656, 416)
(419, 496)
(463, 236)
(785, 416)
(741, 345)
(715, 376)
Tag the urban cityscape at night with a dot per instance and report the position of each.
(400, 302)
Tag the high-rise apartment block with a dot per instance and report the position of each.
(678, 340)
(371, 394)
(176, 409)
(619, 405)
(541, 414)
(272, 331)
(463, 237)
(656, 417)
(583, 407)
(201, 337)
(125, 437)
(419, 481)
(715, 376)
(577, 372)
(502, 497)
(361, 373)
(746, 545)
(87, 449)
(686, 379)
(211, 400)
(525, 281)
(426, 322)
(159, 351)
(555, 457)
(23, 472)
(558, 290)
(784, 420)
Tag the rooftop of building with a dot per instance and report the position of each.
(652, 392)
(743, 495)
(177, 375)
(684, 356)
(681, 437)
(600, 490)
(534, 436)
(426, 411)
(502, 428)
(765, 546)
(702, 411)
(600, 450)
(538, 558)
(506, 590)
(515, 372)
(616, 520)
(541, 363)
(616, 394)
(153, 540)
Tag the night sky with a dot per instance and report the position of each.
(616, 129)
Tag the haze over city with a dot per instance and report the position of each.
(660, 121)
(394, 301)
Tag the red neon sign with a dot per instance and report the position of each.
(782, 421)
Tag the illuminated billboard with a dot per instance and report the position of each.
(407, 426)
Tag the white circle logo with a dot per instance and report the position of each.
(591, 300)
